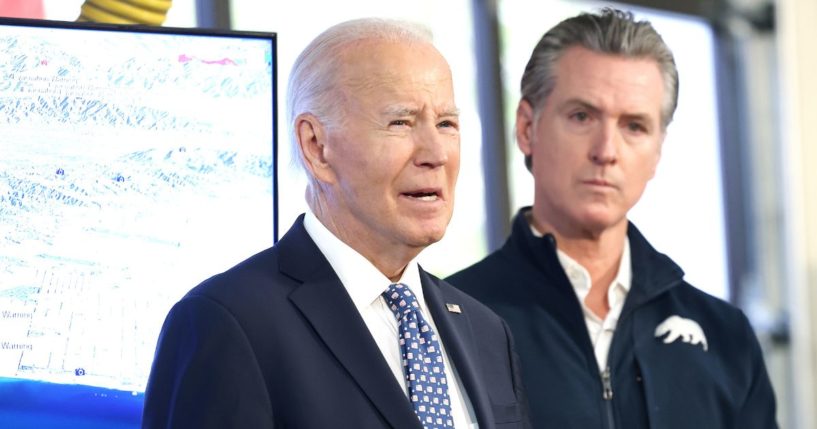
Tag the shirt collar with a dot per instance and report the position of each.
(580, 278)
(363, 281)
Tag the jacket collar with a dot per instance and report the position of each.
(653, 272)
(324, 302)
(454, 328)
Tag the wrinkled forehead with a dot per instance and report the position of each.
(575, 60)
(367, 59)
(601, 79)
(396, 70)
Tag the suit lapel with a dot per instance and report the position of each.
(323, 300)
(458, 341)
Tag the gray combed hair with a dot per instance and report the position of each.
(313, 85)
(611, 31)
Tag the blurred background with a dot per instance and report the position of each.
(734, 193)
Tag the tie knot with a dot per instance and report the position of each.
(400, 299)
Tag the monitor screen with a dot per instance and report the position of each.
(134, 163)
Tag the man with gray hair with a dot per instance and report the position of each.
(608, 332)
(337, 326)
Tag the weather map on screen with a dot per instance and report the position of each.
(133, 165)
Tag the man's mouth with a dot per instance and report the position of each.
(598, 182)
(424, 195)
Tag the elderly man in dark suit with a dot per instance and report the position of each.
(337, 326)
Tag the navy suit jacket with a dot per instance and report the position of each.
(276, 342)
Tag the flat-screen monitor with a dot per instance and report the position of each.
(135, 162)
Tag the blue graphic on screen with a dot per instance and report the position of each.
(133, 165)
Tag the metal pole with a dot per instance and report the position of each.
(491, 112)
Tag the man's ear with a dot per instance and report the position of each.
(311, 135)
(524, 127)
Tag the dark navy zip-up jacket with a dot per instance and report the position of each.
(712, 376)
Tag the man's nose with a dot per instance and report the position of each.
(604, 148)
(432, 147)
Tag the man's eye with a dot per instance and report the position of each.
(636, 127)
(448, 124)
(399, 123)
(580, 116)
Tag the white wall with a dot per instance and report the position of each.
(798, 64)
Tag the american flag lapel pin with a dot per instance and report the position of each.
(454, 308)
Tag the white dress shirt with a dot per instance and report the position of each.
(601, 330)
(365, 285)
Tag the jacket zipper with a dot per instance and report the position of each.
(607, 395)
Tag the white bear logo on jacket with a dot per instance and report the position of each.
(688, 330)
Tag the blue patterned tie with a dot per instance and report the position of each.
(422, 360)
